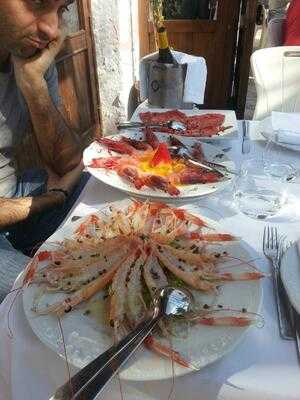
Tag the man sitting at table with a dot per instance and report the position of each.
(35, 202)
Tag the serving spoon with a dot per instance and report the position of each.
(92, 379)
(176, 125)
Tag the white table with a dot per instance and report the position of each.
(262, 367)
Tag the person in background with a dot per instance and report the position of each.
(33, 203)
(292, 25)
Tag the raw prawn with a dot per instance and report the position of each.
(144, 243)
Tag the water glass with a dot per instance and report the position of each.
(279, 162)
(260, 189)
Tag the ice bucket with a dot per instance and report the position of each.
(166, 85)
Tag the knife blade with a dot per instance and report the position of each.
(285, 307)
(245, 140)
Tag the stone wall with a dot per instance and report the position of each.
(115, 26)
(112, 24)
(106, 33)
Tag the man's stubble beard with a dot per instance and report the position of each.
(11, 42)
(24, 52)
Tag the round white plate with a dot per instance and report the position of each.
(290, 274)
(86, 337)
(111, 178)
(266, 129)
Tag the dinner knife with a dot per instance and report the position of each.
(89, 381)
(245, 139)
(286, 313)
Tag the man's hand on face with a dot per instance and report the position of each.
(29, 71)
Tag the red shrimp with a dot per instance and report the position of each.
(117, 146)
(158, 182)
(151, 138)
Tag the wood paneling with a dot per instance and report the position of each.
(75, 85)
(78, 77)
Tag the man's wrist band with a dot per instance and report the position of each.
(65, 192)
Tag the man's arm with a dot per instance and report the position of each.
(58, 144)
(13, 211)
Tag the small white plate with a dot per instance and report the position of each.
(290, 274)
(230, 120)
(266, 129)
(85, 337)
(111, 178)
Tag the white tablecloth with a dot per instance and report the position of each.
(262, 367)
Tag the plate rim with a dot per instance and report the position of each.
(159, 194)
(285, 267)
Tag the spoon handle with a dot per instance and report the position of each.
(137, 125)
(127, 125)
(91, 380)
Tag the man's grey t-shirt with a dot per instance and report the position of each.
(14, 123)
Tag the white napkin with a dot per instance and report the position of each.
(195, 83)
(286, 127)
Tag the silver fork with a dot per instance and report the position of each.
(271, 250)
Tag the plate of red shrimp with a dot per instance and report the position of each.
(94, 280)
(140, 164)
(201, 124)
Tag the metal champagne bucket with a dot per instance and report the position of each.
(166, 85)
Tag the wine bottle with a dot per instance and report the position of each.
(165, 54)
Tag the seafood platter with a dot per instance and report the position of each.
(200, 124)
(94, 280)
(141, 164)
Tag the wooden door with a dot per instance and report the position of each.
(76, 65)
(215, 40)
